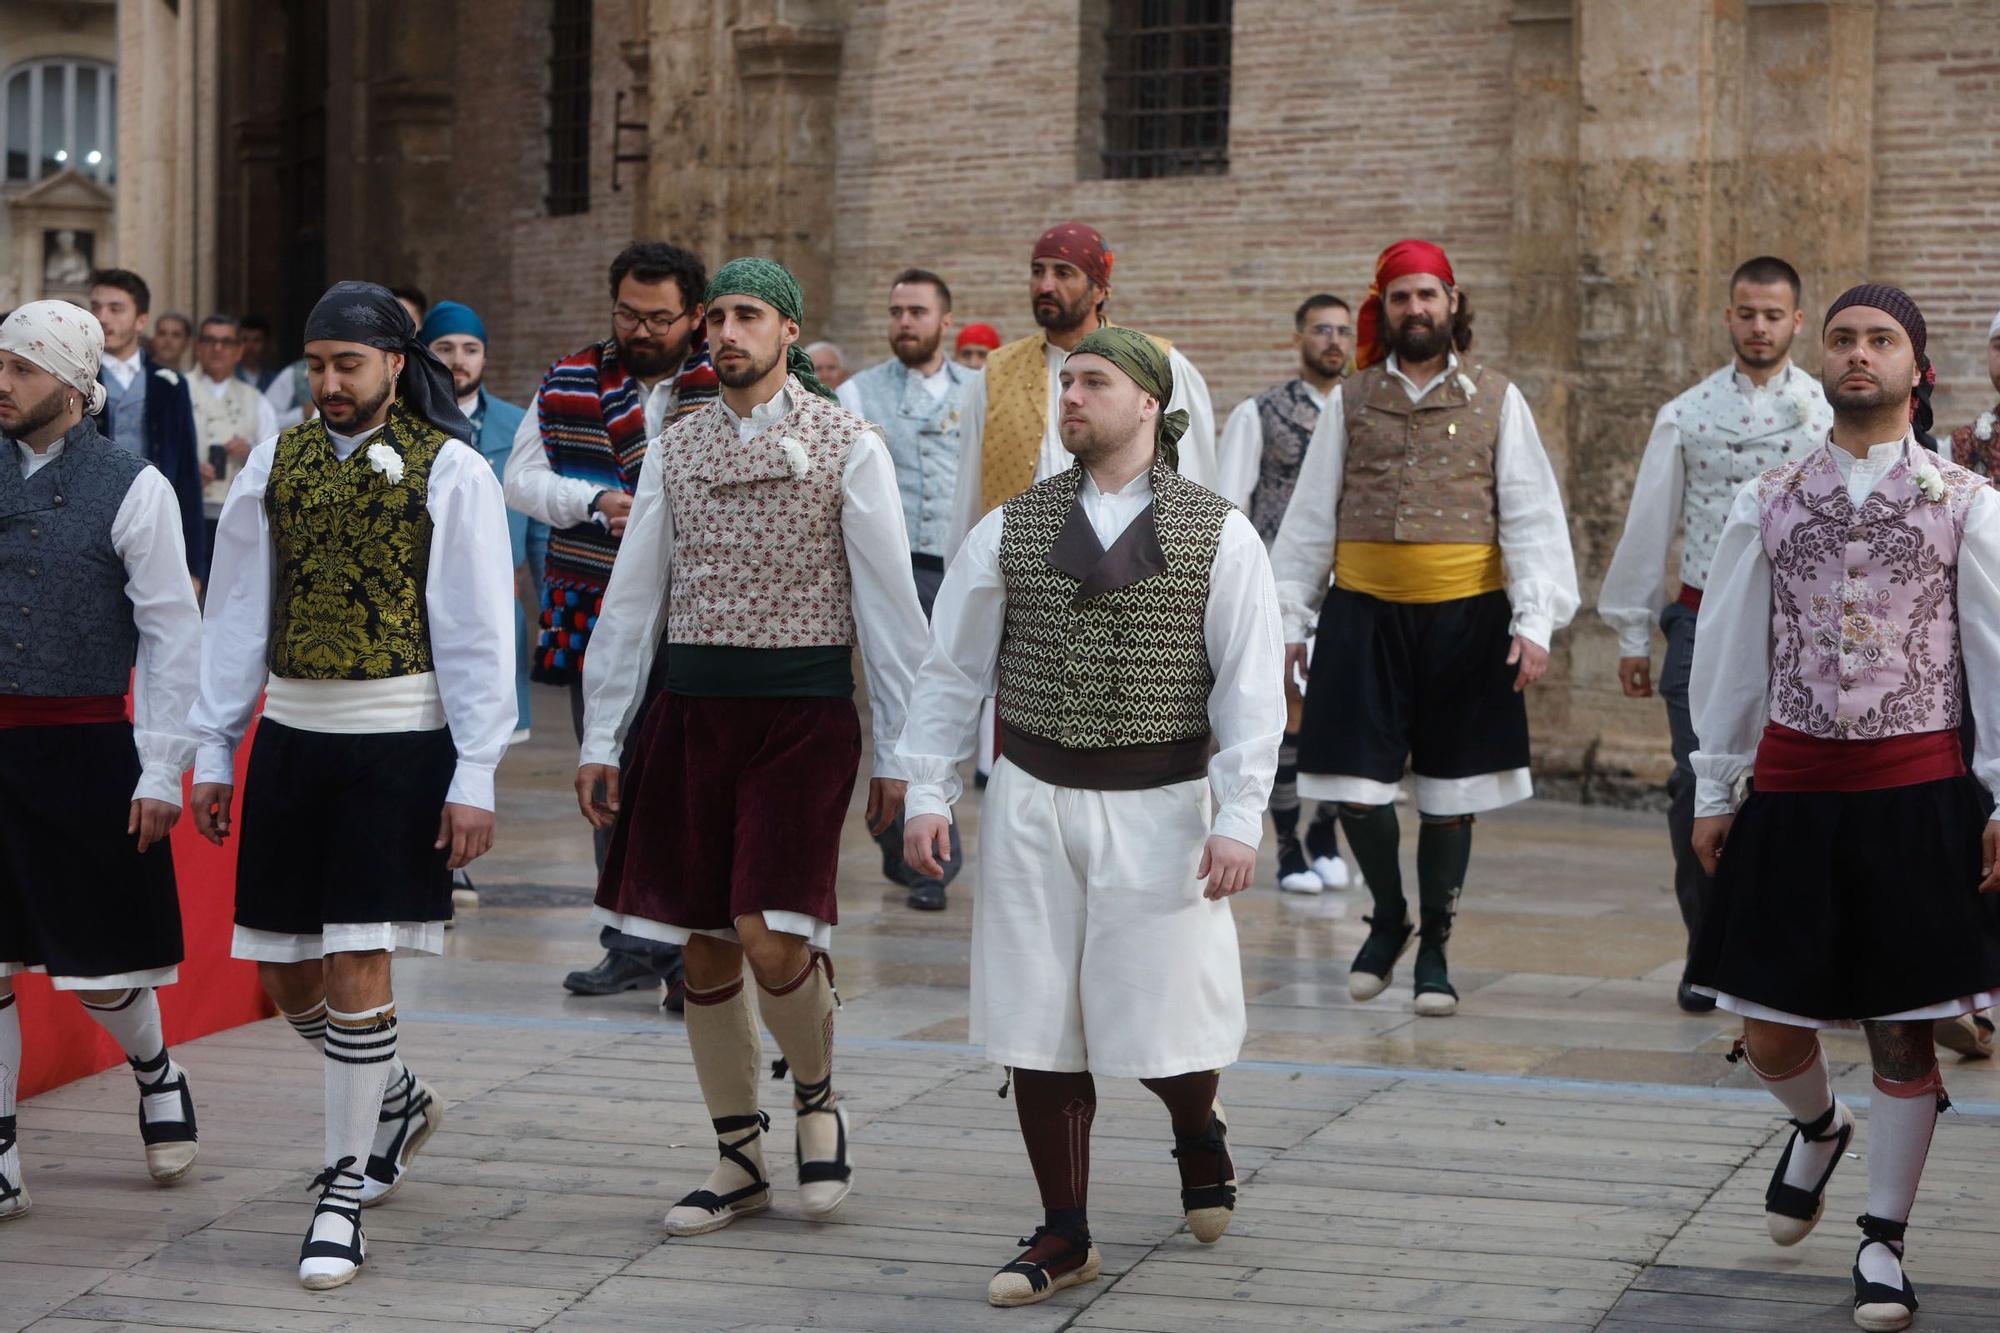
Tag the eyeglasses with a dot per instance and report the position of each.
(659, 321)
(209, 340)
(1327, 330)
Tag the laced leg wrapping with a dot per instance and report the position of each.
(749, 1127)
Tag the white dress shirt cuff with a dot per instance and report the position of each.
(599, 749)
(1242, 823)
(934, 785)
(1534, 626)
(215, 763)
(471, 784)
(1295, 606)
(925, 798)
(1718, 780)
(159, 781)
(1634, 629)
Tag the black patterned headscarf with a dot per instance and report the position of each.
(1896, 303)
(367, 313)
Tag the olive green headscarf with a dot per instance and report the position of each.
(1142, 359)
(773, 284)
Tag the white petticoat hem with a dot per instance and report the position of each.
(402, 937)
(817, 933)
(157, 976)
(1968, 1004)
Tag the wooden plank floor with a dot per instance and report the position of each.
(1372, 1199)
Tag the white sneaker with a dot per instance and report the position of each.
(1304, 881)
(1332, 872)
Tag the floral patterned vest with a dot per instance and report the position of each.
(353, 553)
(759, 557)
(1864, 605)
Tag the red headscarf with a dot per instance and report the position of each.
(977, 335)
(1398, 261)
(1079, 244)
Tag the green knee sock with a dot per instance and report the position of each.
(1373, 835)
(1444, 847)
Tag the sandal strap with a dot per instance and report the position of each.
(384, 1166)
(1880, 1230)
(755, 1123)
(8, 1189)
(1796, 1202)
(1815, 1130)
(1209, 1196)
(333, 1249)
(820, 1170)
(168, 1131)
(711, 1202)
(1037, 1273)
(814, 1098)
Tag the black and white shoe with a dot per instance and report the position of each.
(1790, 1213)
(705, 1210)
(334, 1250)
(13, 1193)
(1294, 875)
(166, 1118)
(824, 1183)
(399, 1136)
(1878, 1307)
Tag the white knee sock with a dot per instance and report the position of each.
(133, 1020)
(309, 1024)
(10, 1073)
(360, 1048)
(1807, 1092)
(1901, 1120)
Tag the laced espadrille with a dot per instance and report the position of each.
(1028, 1281)
(705, 1210)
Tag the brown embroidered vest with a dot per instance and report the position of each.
(1421, 472)
(759, 558)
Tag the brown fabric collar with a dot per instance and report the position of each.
(1135, 556)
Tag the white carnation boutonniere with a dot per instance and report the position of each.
(1930, 481)
(795, 454)
(168, 375)
(386, 461)
(1982, 429)
(1465, 383)
(1804, 397)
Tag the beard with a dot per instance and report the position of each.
(1088, 441)
(1418, 339)
(1053, 315)
(1761, 360)
(747, 374)
(1332, 365)
(649, 357)
(37, 415)
(913, 349)
(1877, 394)
(470, 387)
(345, 414)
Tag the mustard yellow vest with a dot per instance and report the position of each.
(1017, 416)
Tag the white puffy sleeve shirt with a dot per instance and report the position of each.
(1729, 691)
(1534, 533)
(468, 601)
(888, 618)
(1246, 705)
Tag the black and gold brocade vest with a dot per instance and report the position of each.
(352, 554)
(1104, 660)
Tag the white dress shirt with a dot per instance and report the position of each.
(1197, 447)
(1705, 444)
(1239, 458)
(1246, 706)
(1534, 534)
(1729, 692)
(468, 604)
(146, 534)
(123, 370)
(888, 619)
(539, 491)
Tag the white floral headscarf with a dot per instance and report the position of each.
(63, 339)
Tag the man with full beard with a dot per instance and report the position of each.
(767, 538)
(1010, 438)
(575, 463)
(1428, 498)
(1126, 618)
(1752, 414)
(917, 399)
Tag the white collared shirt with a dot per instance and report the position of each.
(1239, 457)
(1246, 705)
(888, 619)
(124, 370)
(536, 489)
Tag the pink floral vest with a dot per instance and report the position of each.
(759, 557)
(1864, 605)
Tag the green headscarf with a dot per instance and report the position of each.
(1142, 359)
(773, 284)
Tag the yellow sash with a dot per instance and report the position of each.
(1418, 571)
(1017, 416)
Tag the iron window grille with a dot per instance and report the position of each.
(1166, 88)
(569, 107)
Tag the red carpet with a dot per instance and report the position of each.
(214, 992)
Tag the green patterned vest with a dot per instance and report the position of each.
(353, 552)
(1107, 649)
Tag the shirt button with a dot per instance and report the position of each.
(58, 500)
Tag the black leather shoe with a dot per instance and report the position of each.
(673, 976)
(617, 972)
(927, 896)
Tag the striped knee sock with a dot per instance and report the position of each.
(360, 1047)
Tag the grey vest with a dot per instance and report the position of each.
(1108, 648)
(1287, 415)
(127, 410)
(922, 435)
(66, 625)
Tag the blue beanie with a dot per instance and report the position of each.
(450, 317)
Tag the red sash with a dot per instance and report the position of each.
(1790, 760)
(31, 710)
(1690, 597)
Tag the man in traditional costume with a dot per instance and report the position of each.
(1126, 618)
(361, 585)
(1427, 496)
(91, 554)
(916, 400)
(1263, 444)
(975, 343)
(575, 463)
(1853, 590)
(1751, 415)
(767, 540)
